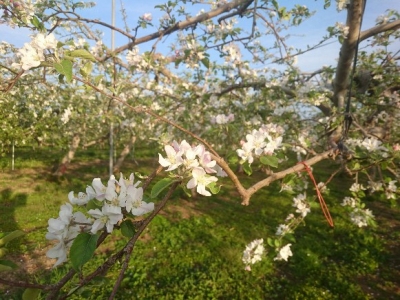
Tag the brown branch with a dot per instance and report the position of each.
(130, 245)
(240, 11)
(56, 287)
(276, 176)
(395, 25)
(13, 82)
(79, 18)
(26, 284)
(178, 26)
(256, 85)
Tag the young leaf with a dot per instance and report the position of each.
(127, 228)
(93, 204)
(9, 237)
(214, 188)
(35, 22)
(82, 249)
(64, 68)
(160, 186)
(269, 160)
(290, 238)
(4, 268)
(82, 53)
(86, 69)
(206, 62)
(30, 294)
(7, 265)
(247, 168)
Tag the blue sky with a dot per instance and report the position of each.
(308, 33)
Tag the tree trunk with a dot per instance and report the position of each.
(69, 156)
(343, 70)
(124, 153)
(347, 52)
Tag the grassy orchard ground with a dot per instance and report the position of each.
(193, 249)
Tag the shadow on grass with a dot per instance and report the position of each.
(9, 203)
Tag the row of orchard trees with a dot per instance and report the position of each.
(228, 84)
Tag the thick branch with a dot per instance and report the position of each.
(347, 52)
(276, 176)
(379, 29)
(179, 26)
(256, 85)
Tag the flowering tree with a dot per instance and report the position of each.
(211, 86)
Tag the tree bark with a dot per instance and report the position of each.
(347, 52)
(76, 139)
(124, 153)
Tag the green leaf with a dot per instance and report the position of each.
(4, 268)
(93, 204)
(71, 291)
(64, 68)
(160, 186)
(233, 159)
(82, 249)
(82, 53)
(78, 5)
(127, 228)
(327, 4)
(269, 160)
(270, 242)
(30, 294)
(35, 22)
(206, 62)
(86, 69)
(214, 188)
(97, 79)
(9, 237)
(247, 168)
(290, 237)
(177, 62)
(61, 78)
(7, 265)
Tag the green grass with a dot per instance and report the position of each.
(193, 249)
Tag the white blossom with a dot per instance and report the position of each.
(253, 253)
(284, 253)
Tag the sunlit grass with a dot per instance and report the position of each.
(193, 249)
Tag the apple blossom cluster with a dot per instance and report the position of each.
(303, 208)
(222, 29)
(291, 222)
(193, 163)
(371, 144)
(106, 204)
(342, 29)
(136, 60)
(255, 249)
(358, 214)
(64, 230)
(24, 9)
(284, 253)
(253, 253)
(32, 54)
(147, 17)
(391, 190)
(342, 4)
(263, 141)
(301, 147)
(233, 54)
(222, 119)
